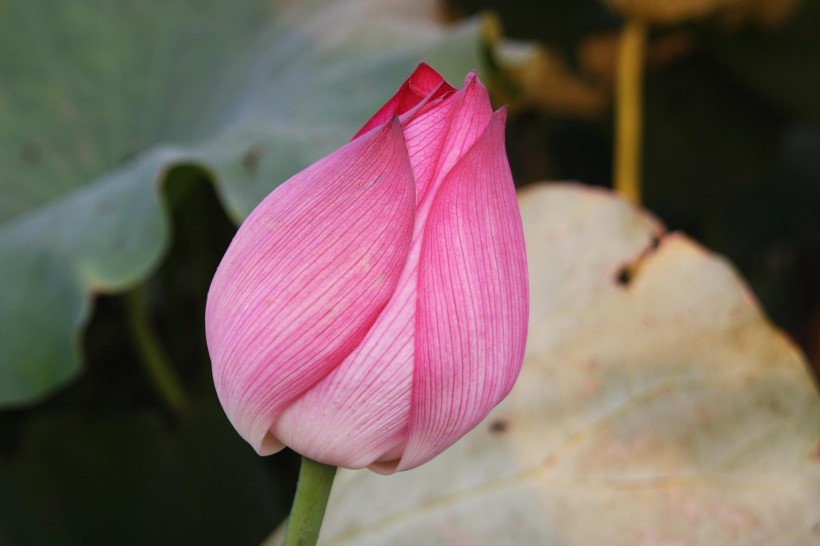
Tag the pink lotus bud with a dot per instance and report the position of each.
(373, 308)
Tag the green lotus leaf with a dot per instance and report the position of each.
(100, 101)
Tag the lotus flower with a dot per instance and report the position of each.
(373, 308)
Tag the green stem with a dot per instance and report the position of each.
(312, 492)
(629, 114)
(156, 362)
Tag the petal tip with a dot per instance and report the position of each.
(500, 116)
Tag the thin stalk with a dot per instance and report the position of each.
(629, 110)
(312, 492)
(156, 362)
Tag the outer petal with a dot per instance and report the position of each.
(357, 416)
(306, 277)
(423, 84)
(359, 412)
(438, 137)
(471, 322)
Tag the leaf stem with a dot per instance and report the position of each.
(629, 115)
(312, 492)
(156, 362)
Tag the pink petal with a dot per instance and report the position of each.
(357, 416)
(438, 137)
(305, 278)
(471, 321)
(359, 412)
(424, 84)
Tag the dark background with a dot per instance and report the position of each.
(732, 139)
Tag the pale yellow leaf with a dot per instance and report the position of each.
(663, 411)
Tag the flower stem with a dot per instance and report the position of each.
(312, 492)
(629, 120)
(156, 362)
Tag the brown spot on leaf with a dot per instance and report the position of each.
(499, 426)
(30, 153)
(250, 161)
(624, 276)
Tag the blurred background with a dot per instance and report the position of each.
(731, 138)
(112, 448)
